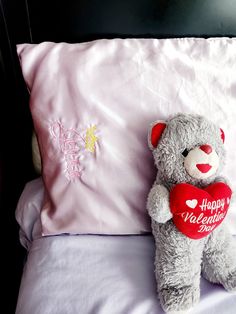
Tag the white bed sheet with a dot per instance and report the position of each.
(100, 275)
(90, 274)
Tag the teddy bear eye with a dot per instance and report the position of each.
(185, 152)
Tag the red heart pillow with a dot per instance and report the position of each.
(197, 212)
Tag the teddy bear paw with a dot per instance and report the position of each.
(179, 312)
(230, 283)
(179, 300)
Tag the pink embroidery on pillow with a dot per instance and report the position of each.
(73, 145)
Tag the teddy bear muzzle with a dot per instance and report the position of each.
(201, 162)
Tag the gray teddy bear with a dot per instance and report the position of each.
(189, 154)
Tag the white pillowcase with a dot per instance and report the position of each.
(92, 104)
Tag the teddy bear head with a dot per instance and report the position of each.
(187, 148)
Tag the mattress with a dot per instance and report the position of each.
(93, 274)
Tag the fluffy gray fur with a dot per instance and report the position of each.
(180, 260)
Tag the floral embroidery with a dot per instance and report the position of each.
(91, 139)
(72, 144)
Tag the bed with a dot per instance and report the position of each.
(93, 273)
(122, 279)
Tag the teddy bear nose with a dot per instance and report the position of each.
(206, 148)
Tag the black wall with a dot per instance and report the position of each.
(15, 152)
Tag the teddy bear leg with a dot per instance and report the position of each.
(219, 258)
(177, 268)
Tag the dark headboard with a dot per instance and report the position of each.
(76, 21)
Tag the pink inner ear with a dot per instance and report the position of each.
(222, 135)
(157, 131)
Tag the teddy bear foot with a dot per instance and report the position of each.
(230, 283)
(179, 312)
(179, 300)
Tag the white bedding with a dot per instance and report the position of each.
(90, 274)
(100, 275)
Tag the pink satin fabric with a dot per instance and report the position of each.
(92, 104)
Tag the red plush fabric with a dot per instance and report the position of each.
(157, 131)
(197, 212)
(222, 134)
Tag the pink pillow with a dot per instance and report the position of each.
(92, 104)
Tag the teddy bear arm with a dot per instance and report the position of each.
(226, 181)
(221, 179)
(158, 204)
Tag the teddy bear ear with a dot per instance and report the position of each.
(155, 132)
(222, 135)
